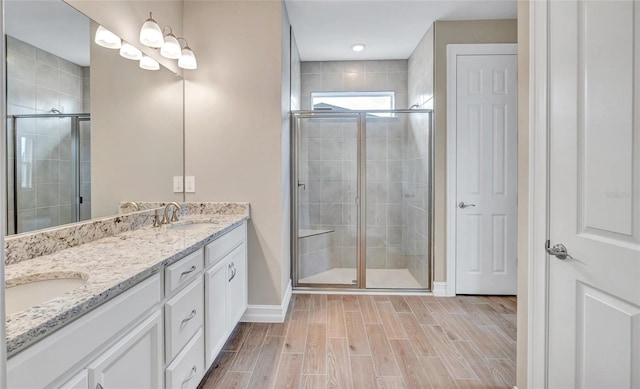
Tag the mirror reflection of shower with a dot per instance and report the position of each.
(48, 139)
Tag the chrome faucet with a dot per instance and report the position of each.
(174, 216)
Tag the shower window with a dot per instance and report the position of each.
(354, 101)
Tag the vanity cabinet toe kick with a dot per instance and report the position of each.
(164, 332)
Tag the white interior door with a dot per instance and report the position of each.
(594, 201)
(486, 174)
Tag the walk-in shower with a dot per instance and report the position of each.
(362, 199)
(48, 170)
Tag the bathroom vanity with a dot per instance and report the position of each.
(157, 306)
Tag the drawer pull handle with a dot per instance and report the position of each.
(193, 374)
(184, 273)
(232, 267)
(186, 319)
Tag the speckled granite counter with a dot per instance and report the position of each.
(111, 265)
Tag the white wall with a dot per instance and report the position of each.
(235, 123)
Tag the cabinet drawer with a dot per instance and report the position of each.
(181, 272)
(183, 316)
(188, 368)
(222, 246)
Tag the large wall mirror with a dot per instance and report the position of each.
(86, 129)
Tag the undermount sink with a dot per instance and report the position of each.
(190, 226)
(30, 292)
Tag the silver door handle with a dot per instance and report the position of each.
(464, 205)
(184, 273)
(558, 250)
(194, 370)
(186, 319)
(98, 386)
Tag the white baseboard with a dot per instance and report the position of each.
(440, 289)
(268, 313)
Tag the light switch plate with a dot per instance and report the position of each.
(190, 184)
(177, 184)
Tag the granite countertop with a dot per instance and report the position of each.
(110, 265)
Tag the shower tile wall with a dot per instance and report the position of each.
(415, 232)
(330, 148)
(38, 81)
(355, 76)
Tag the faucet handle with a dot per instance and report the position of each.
(156, 217)
(174, 215)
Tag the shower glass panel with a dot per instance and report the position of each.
(325, 189)
(43, 170)
(362, 199)
(398, 160)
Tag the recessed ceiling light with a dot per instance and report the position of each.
(358, 47)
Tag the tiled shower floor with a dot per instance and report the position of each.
(376, 278)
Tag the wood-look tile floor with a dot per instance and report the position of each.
(347, 341)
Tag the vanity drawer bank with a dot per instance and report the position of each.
(156, 307)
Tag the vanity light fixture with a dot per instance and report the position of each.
(129, 51)
(148, 63)
(170, 48)
(358, 47)
(106, 38)
(188, 59)
(151, 33)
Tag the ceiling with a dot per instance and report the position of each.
(390, 29)
(51, 25)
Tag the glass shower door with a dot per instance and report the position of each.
(326, 191)
(397, 197)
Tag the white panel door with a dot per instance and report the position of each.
(594, 199)
(486, 174)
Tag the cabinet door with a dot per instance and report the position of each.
(133, 362)
(237, 285)
(79, 381)
(215, 286)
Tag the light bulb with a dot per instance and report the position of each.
(358, 47)
(148, 63)
(106, 38)
(188, 59)
(151, 33)
(129, 51)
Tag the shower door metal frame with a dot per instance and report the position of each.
(360, 253)
(361, 260)
(75, 146)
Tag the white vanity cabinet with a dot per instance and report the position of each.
(225, 288)
(51, 361)
(164, 332)
(79, 381)
(133, 362)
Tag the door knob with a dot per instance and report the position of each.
(464, 205)
(558, 250)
